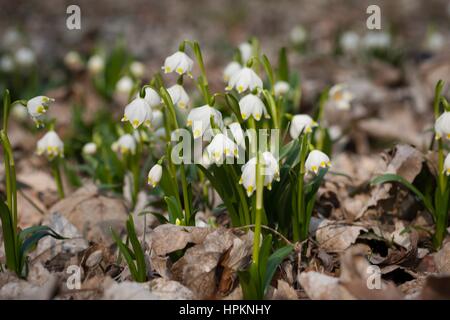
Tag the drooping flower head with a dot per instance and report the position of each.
(270, 170)
(237, 133)
(340, 97)
(137, 69)
(245, 79)
(442, 126)
(199, 119)
(90, 148)
(301, 123)
(246, 51)
(179, 96)
(50, 145)
(252, 105)
(96, 64)
(316, 160)
(178, 62)
(124, 85)
(230, 70)
(125, 145)
(154, 175)
(221, 146)
(447, 165)
(281, 88)
(151, 96)
(138, 112)
(37, 107)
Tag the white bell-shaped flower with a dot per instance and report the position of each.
(281, 88)
(237, 133)
(316, 160)
(50, 145)
(124, 85)
(154, 175)
(252, 105)
(442, 126)
(89, 148)
(138, 112)
(230, 70)
(199, 119)
(37, 107)
(246, 51)
(178, 62)
(447, 165)
(221, 146)
(270, 170)
(298, 35)
(248, 177)
(151, 96)
(96, 64)
(125, 145)
(179, 96)
(137, 69)
(73, 61)
(349, 41)
(157, 119)
(340, 97)
(25, 57)
(245, 79)
(6, 64)
(301, 123)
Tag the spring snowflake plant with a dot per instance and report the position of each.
(434, 192)
(18, 243)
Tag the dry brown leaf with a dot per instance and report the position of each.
(284, 291)
(336, 237)
(170, 290)
(442, 259)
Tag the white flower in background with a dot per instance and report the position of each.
(11, 38)
(124, 85)
(96, 64)
(157, 119)
(178, 62)
(298, 35)
(349, 41)
(447, 165)
(246, 51)
(160, 133)
(24, 57)
(340, 97)
(138, 112)
(316, 160)
(179, 96)
(301, 123)
(73, 61)
(89, 149)
(435, 41)
(151, 96)
(6, 64)
(442, 126)
(19, 112)
(199, 119)
(377, 40)
(50, 145)
(245, 79)
(270, 168)
(37, 107)
(252, 105)
(221, 146)
(237, 133)
(154, 175)
(230, 70)
(125, 145)
(281, 88)
(137, 69)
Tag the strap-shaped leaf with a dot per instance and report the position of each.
(272, 264)
(390, 177)
(138, 252)
(125, 251)
(174, 209)
(9, 239)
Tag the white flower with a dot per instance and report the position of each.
(447, 165)
(19, 112)
(281, 88)
(157, 119)
(160, 133)
(124, 85)
(6, 64)
(37, 107)
(221, 146)
(151, 96)
(377, 40)
(245, 79)
(349, 41)
(200, 119)
(178, 62)
(126, 144)
(252, 105)
(301, 123)
(73, 61)
(138, 112)
(340, 97)
(90, 148)
(435, 42)
(230, 70)
(246, 51)
(237, 132)
(12, 38)
(298, 35)
(50, 145)
(96, 64)
(442, 126)
(137, 69)
(179, 96)
(316, 160)
(154, 175)
(270, 170)
(24, 57)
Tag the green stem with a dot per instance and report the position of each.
(442, 177)
(187, 205)
(57, 175)
(242, 197)
(10, 176)
(300, 193)
(258, 210)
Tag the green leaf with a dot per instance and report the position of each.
(138, 252)
(269, 69)
(390, 177)
(272, 264)
(9, 238)
(174, 209)
(283, 68)
(233, 104)
(126, 254)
